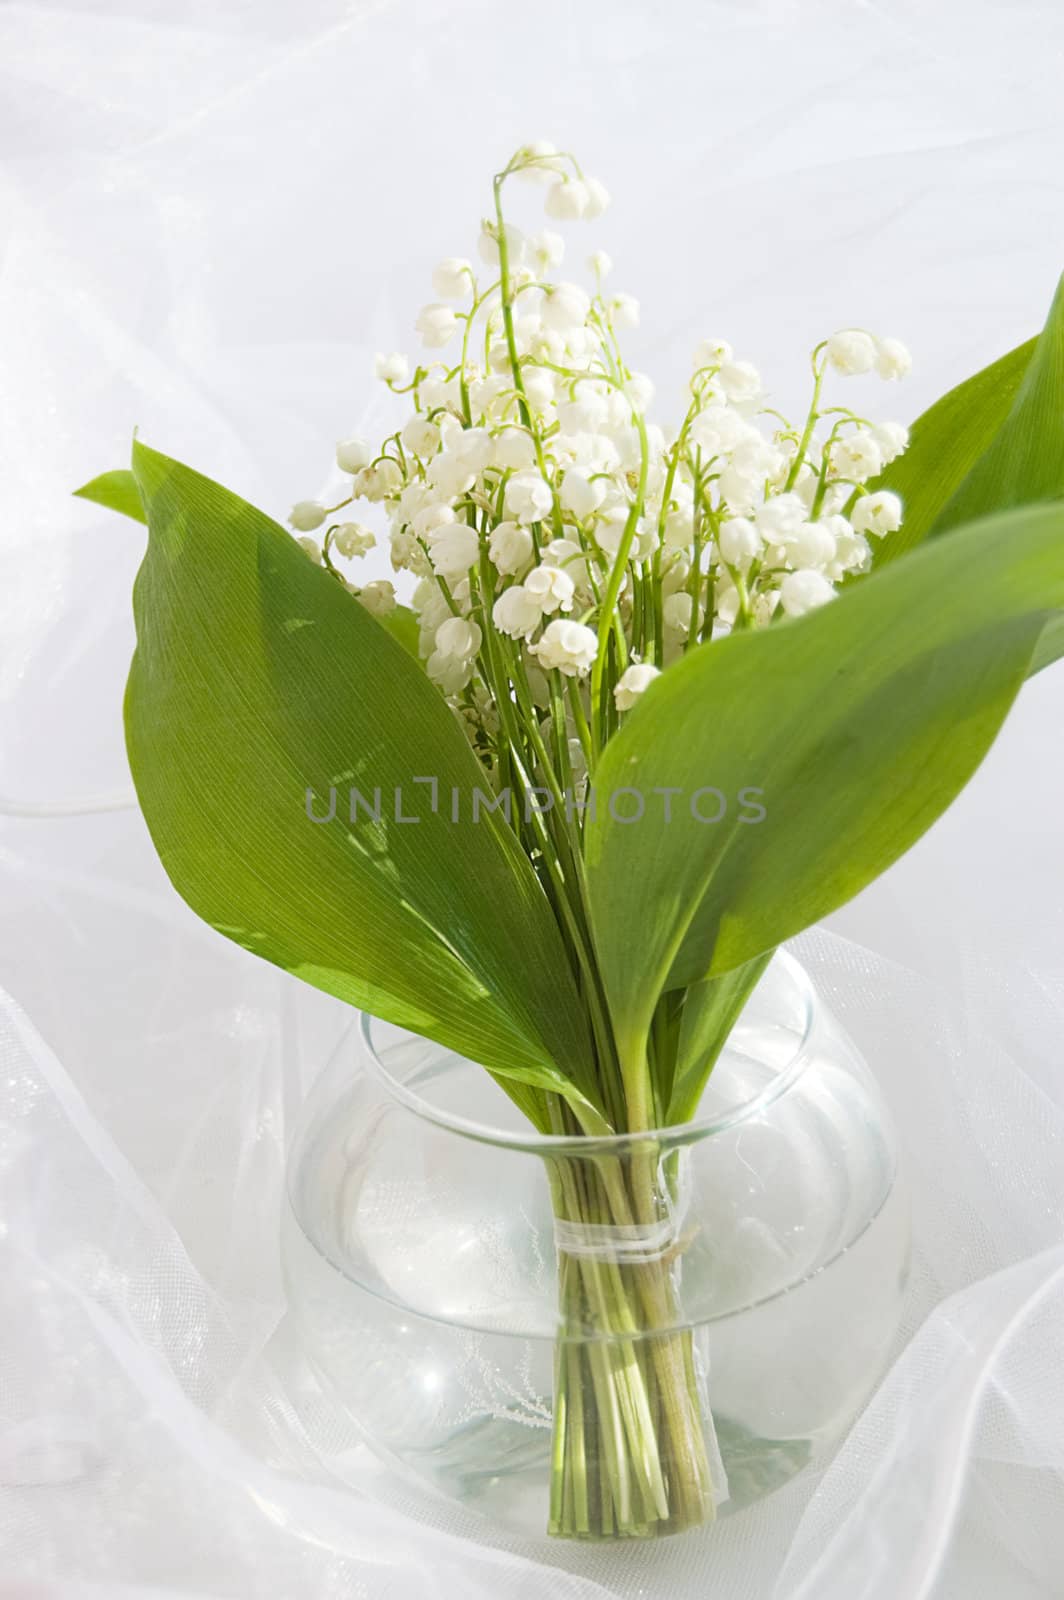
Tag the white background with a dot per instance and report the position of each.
(212, 215)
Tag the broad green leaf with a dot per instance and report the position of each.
(1050, 646)
(993, 442)
(1024, 464)
(860, 723)
(402, 624)
(710, 1011)
(117, 491)
(257, 677)
(945, 443)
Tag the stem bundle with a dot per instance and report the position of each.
(629, 1456)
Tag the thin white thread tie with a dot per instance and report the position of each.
(629, 1243)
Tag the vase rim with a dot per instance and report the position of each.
(676, 1134)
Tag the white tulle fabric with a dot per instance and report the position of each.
(158, 1429)
(211, 217)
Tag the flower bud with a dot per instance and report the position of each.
(306, 515)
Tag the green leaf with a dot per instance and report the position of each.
(994, 442)
(1024, 464)
(710, 1011)
(859, 722)
(1050, 646)
(257, 677)
(117, 491)
(945, 443)
(402, 624)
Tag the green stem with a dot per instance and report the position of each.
(607, 613)
(810, 424)
(527, 415)
(629, 1456)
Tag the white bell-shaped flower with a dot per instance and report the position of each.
(893, 359)
(378, 597)
(454, 550)
(458, 637)
(738, 542)
(567, 647)
(452, 278)
(851, 352)
(516, 612)
(528, 497)
(353, 454)
(804, 591)
(306, 515)
(351, 539)
(632, 684)
(552, 587)
(510, 548)
(878, 513)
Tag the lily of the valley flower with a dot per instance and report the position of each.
(551, 532)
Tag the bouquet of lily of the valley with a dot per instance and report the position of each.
(640, 704)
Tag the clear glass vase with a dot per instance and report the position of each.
(600, 1338)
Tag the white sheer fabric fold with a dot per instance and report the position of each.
(158, 1427)
(211, 217)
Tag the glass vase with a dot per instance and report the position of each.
(604, 1338)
